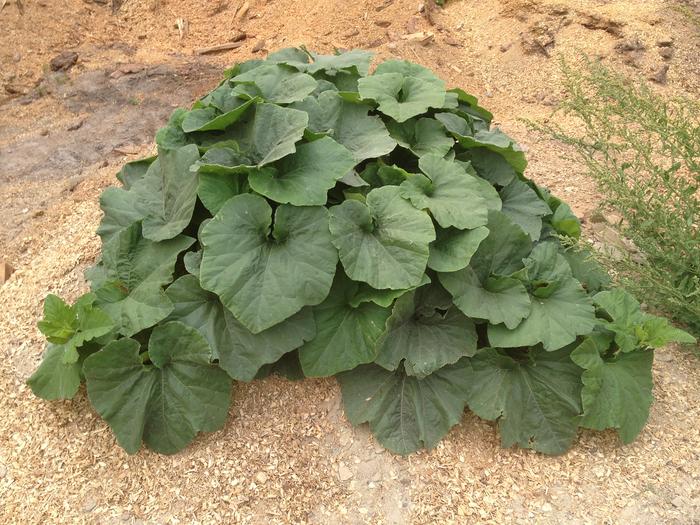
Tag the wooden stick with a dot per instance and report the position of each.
(216, 49)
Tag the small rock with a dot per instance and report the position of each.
(611, 218)
(89, 505)
(73, 183)
(678, 501)
(63, 61)
(546, 507)
(382, 23)
(16, 57)
(44, 132)
(665, 42)
(452, 42)
(261, 478)
(76, 124)
(351, 33)
(539, 39)
(504, 47)
(130, 69)
(392, 45)
(631, 44)
(259, 46)
(239, 36)
(660, 76)
(344, 473)
(666, 52)
(15, 89)
(374, 43)
(598, 22)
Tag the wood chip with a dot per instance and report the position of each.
(259, 46)
(5, 271)
(422, 37)
(242, 12)
(182, 27)
(216, 49)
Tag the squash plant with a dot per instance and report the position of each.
(311, 219)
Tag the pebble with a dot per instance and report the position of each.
(344, 473)
(261, 478)
(63, 61)
(546, 507)
(89, 505)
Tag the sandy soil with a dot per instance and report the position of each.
(287, 454)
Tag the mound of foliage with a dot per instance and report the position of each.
(308, 219)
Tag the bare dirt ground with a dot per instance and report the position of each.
(287, 454)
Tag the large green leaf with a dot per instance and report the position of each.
(354, 59)
(555, 321)
(383, 242)
(129, 280)
(346, 336)
(453, 196)
(617, 389)
(210, 119)
(421, 136)
(453, 249)
(165, 403)
(349, 124)
(240, 352)
(133, 171)
(55, 378)
(490, 165)
(69, 327)
(633, 328)
(120, 211)
(265, 274)
(303, 179)
(498, 299)
(405, 413)
(424, 336)
(275, 83)
(402, 89)
(215, 189)
(269, 133)
(536, 399)
(167, 194)
(524, 207)
(586, 269)
(502, 252)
